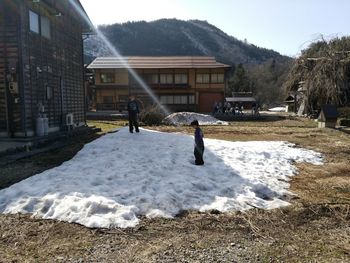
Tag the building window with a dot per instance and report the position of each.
(180, 78)
(107, 77)
(166, 99)
(151, 78)
(154, 79)
(34, 22)
(177, 99)
(107, 99)
(123, 98)
(49, 93)
(202, 78)
(180, 99)
(217, 78)
(45, 27)
(166, 78)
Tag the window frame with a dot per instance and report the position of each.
(182, 77)
(217, 81)
(49, 92)
(45, 28)
(109, 80)
(166, 99)
(34, 22)
(191, 100)
(104, 101)
(123, 98)
(176, 99)
(167, 76)
(200, 78)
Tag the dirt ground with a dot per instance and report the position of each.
(314, 228)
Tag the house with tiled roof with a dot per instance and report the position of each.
(181, 83)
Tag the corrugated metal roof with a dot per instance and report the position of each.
(156, 62)
(240, 99)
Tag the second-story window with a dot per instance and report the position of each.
(154, 79)
(107, 99)
(217, 78)
(107, 77)
(166, 79)
(34, 22)
(202, 78)
(180, 78)
(151, 78)
(45, 27)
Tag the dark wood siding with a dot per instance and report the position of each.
(40, 63)
(56, 63)
(207, 100)
(10, 110)
(3, 126)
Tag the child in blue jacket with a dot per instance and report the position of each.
(198, 143)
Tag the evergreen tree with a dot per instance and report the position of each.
(239, 81)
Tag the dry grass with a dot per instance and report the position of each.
(315, 228)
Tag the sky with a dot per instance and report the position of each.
(287, 26)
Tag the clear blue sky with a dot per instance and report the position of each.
(287, 26)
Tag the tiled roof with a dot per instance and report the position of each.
(240, 99)
(156, 62)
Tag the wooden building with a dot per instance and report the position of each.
(328, 116)
(41, 65)
(244, 99)
(180, 83)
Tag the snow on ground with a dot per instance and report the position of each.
(278, 109)
(120, 176)
(185, 118)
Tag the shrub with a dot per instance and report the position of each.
(151, 115)
(344, 122)
(344, 112)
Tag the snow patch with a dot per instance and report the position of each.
(278, 109)
(121, 176)
(185, 118)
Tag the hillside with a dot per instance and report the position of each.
(169, 37)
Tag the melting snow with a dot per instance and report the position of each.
(185, 118)
(121, 176)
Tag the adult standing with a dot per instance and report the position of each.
(133, 110)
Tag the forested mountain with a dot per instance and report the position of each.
(172, 37)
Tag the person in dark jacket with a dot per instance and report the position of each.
(133, 110)
(198, 143)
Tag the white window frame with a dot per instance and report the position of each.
(34, 22)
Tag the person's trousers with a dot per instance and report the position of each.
(198, 154)
(133, 122)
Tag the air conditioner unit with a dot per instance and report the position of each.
(69, 119)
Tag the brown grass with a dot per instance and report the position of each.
(314, 228)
